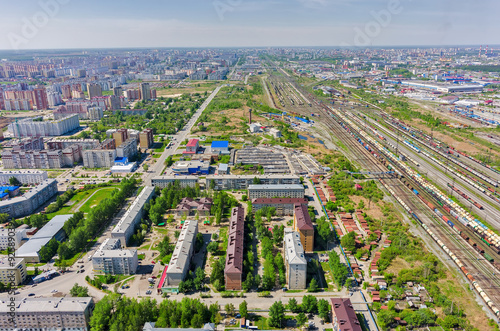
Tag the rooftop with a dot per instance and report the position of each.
(136, 207)
(345, 313)
(182, 249)
(44, 305)
(302, 216)
(220, 144)
(234, 255)
(294, 251)
(280, 201)
(276, 187)
(192, 143)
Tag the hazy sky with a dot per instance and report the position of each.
(185, 23)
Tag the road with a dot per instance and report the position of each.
(158, 167)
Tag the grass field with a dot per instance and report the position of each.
(99, 195)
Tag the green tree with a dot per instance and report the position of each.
(301, 319)
(309, 304)
(385, 318)
(323, 309)
(293, 305)
(145, 167)
(79, 291)
(313, 286)
(212, 247)
(14, 181)
(256, 181)
(348, 241)
(229, 308)
(276, 314)
(243, 309)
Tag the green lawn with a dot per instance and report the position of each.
(96, 198)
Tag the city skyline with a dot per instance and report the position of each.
(61, 24)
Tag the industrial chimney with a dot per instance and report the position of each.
(250, 116)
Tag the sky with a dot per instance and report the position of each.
(46, 24)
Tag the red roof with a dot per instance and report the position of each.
(192, 143)
(303, 218)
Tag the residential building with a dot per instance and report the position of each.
(344, 316)
(146, 138)
(233, 271)
(26, 144)
(42, 314)
(36, 127)
(94, 90)
(273, 191)
(183, 252)
(132, 217)
(95, 113)
(111, 259)
(117, 91)
(145, 91)
(220, 147)
(295, 261)
(29, 201)
(127, 149)
(192, 146)
(190, 207)
(2, 101)
(283, 206)
(40, 98)
(11, 238)
(12, 271)
(42, 159)
(164, 181)
(99, 158)
(53, 229)
(150, 326)
(303, 225)
(64, 143)
(120, 136)
(241, 182)
(25, 177)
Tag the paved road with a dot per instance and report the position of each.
(157, 169)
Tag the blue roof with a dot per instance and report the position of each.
(2, 195)
(10, 188)
(220, 144)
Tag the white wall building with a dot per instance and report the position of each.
(36, 127)
(183, 252)
(273, 191)
(25, 177)
(12, 271)
(16, 235)
(295, 261)
(111, 259)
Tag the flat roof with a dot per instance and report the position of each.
(223, 167)
(220, 144)
(43, 236)
(129, 217)
(279, 200)
(43, 305)
(276, 187)
(182, 249)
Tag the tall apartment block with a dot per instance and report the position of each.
(37, 127)
(145, 90)
(146, 138)
(120, 136)
(94, 90)
(303, 225)
(234, 257)
(295, 261)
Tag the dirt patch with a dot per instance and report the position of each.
(374, 211)
(399, 264)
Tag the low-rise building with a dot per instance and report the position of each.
(192, 146)
(191, 167)
(40, 314)
(233, 271)
(344, 316)
(283, 206)
(111, 259)
(273, 191)
(295, 261)
(303, 225)
(220, 147)
(12, 271)
(183, 252)
(190, 206)
(30, 201)
(53, 229)
(132, 217)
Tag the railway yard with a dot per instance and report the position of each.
(451, 195)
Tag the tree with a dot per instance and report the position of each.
(200, 277)
(293, 305)
(229, 308)
(164, 247)
(349, 241)
(313, 286)
(243, 308)
(385, 318)
(276, 314)
(4, 218)
(256, 181)
(79, 291)
(323, 309)
(301, 319)
(199, 242)
(309, 304)
(14, 181)
(213, 247)
(146, 167)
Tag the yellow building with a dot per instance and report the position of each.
(303, 225)
(13, 272)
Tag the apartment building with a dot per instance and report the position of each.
(295, 261)
(111, 259)
(94, 90)
(146, 138)
(303, 225)
(183, 252)
(273, 191)
(241, 182)
(95, 113)
(11, 238)
(25, 177)
(132, 217)
(283, 206)
(164, 181)
(41, 314)
(233, 271)
(37, 127)
(120, 136)
(12, 271)
(344, 316)
(127, 149)
(99, 158)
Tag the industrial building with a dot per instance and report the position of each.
(233, 271)
(13, 272)
(37, 127)
(26, 177)
(111, 259)
(191, 167)
(53, 229)
(40, 314)
(131, 219)
(283, 206)
(220, 147)
(344, 316)
(295, 261)
(183, 252)
(272, 191)
(272, 161)
(241, 182)
(29, 201)
(303, 225)
(164, 181)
